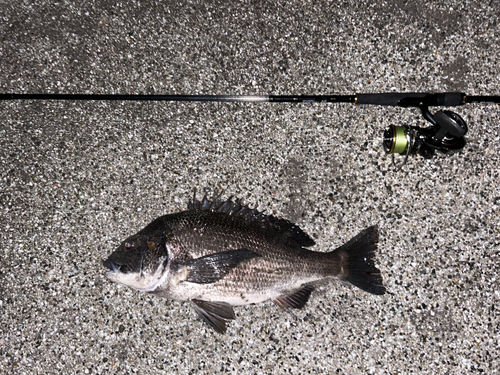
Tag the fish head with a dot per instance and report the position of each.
(139, 262)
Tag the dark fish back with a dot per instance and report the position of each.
(288, 231)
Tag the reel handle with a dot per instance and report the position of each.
(449, 122)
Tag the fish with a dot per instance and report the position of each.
(219, 253)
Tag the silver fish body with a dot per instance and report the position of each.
(220, 254)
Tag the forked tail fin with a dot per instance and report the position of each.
(357, 260)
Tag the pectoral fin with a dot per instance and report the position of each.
(215, 314)
(212, 268)
(295, 300)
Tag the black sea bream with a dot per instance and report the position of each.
(220, 254)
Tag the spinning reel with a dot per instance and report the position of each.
(446, 134)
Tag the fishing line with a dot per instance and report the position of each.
(445, 134)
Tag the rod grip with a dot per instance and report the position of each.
(412, 99)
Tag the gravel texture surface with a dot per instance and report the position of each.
(76, 178)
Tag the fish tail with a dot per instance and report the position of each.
(356, 260)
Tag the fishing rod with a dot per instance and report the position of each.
(445, 134)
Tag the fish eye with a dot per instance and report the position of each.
(128, 245)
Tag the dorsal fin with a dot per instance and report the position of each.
(236, 208)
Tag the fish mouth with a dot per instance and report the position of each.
(111, 266)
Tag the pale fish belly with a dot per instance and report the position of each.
(233, 294)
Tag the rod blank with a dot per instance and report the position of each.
(187, 98)
(386, 99)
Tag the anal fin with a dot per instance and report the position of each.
(295, 300)
(215, 314)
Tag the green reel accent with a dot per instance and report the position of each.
(400, 140)
(395, 140)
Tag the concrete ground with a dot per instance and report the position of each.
(76, 178)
